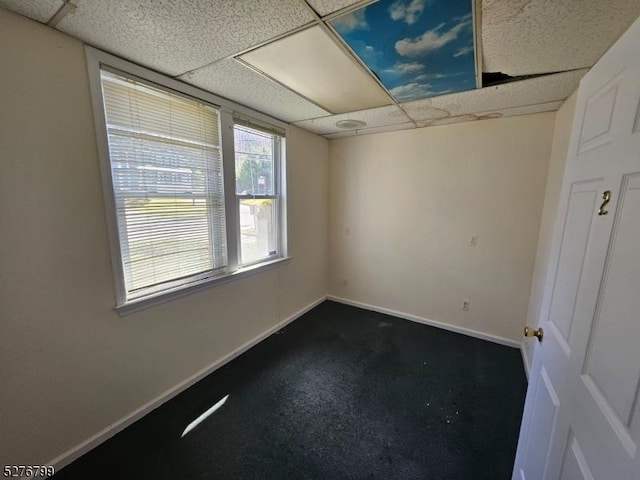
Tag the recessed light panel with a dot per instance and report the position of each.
(417, 48)
(310, 63)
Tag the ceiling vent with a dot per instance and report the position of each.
(350, 124)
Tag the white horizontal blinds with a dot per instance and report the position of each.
(166, 167)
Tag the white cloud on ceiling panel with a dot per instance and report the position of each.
(401, 68)
(433, 39)
(175, 37)
(463, 51)
(534, 91)
(325, 7)
(413, 90)
(521, 37)
(232, 80)
(374, 117)
(407, 11)
(40, 10)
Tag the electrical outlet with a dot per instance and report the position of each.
(464, 305)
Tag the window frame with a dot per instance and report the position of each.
(278, 155)
(229, 113)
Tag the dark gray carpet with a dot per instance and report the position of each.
(339, 393)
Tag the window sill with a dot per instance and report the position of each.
(143, 303)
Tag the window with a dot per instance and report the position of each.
(166, 169)
(256, 154)
(176, 220)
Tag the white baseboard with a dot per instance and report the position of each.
(76, 452)
(525, 360)
(414, 318)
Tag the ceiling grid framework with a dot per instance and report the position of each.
(533, 91)
(197, 41)
(230, 79)
(326, 10)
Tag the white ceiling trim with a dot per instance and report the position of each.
(67, 8)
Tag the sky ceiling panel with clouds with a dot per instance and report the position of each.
(417, 48)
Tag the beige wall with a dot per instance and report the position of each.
(69, 365)
(561, 137)
(404, 204)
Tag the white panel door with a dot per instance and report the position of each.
(582, 413)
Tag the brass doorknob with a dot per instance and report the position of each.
(530, 332)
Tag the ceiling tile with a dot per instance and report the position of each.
(40, 10)
(325, 7)
(548, 88)
(175, 37)
(449, 120)
(374, 117)
(230, 79)
(417, 49)
(311, 63)
(368, 131)
(521, 37)
(526, 110)
(420, 110)
(508, 112)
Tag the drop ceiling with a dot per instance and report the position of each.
(221, 46)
